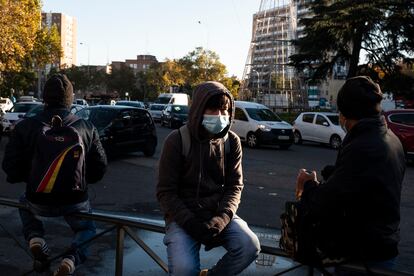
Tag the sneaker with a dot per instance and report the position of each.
(40, 252)
(66, 267)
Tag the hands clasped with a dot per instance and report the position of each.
(207, 232)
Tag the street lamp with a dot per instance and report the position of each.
(82, 43)
(127, 96)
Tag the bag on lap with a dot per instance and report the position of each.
(299, 237)
(58, 165)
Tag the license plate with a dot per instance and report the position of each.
(283, 137)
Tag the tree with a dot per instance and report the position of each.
(123, 80)
(339, 30)
(19, 25)
(201, 65)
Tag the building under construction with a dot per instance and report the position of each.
(268, 78)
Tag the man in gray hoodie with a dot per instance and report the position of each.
(199, 193)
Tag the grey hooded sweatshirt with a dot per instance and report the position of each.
(208, 181)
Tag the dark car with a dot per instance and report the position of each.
(174, 115)
(131, 103)
(123, 129)
(401, 122)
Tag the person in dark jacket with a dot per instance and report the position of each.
(18, 164)
(358, 206)
(200, 193)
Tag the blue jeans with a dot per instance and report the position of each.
(83, 229)
(241, 243)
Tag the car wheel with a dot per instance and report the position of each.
(252, 140)
(297, 138)
(335, 141)
(150, 147)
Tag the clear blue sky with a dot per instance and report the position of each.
(122, 29)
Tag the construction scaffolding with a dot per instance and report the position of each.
(268, 78)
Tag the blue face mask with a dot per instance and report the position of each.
(215, 123)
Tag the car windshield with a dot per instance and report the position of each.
(180, 109)
(34, 111)
(163, 100)
(3, 101)
(334, 119)
(99, 117)
(135, 104)
(156, 107)
(22, 108)
(262, 114)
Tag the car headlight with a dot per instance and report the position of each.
(264, 128)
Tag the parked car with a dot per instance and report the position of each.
(174, 116)
(16, 112)
(131, 103)
(27, 99)
(401, 122)
(123, 129)
(320, 127)
(80, 102)
(5, 104)
(256, 124)
(39, 108)
(156, 111)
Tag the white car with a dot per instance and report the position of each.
(17, 112)
(256, 124)
(320, 127)
(5, 104)
(156, 111)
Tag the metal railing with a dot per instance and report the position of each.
(123, 225)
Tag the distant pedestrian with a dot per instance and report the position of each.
(56, 154)
(357, 208)
(200, 185)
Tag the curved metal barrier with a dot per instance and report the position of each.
(123, 224)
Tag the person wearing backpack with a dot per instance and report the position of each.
(56, 154)
(357, 207)
(199, 188)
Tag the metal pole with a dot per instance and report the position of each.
(119, 250)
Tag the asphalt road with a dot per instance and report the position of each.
(269, 176)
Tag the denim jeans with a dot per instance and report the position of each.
(241, 243)
(83, 229)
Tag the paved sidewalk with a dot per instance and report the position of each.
(16, 260)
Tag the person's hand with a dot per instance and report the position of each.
(198, 230)
(302, 178)
(219, 222)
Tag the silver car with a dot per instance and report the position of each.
(156, 111)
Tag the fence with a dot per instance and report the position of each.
(123, 226)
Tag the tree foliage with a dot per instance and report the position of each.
(19, 25)
(339, 30)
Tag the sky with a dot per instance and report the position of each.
(118, 30)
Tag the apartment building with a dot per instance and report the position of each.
(67, 27)
(141, 63)
(268, 77)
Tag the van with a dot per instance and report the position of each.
(173, 98)
(257, 125)
(5, 104)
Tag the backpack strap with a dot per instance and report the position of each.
(185, 140)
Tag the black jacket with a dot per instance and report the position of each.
(359, 205)
(20, 151)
